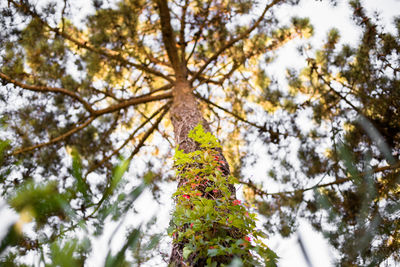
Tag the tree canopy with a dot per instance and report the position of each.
(84, 101)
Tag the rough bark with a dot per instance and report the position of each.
(185, 115)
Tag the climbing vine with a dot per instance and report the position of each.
(209, 222)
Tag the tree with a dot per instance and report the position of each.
(103, 89)
(82, 84)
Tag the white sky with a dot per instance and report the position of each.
(322, 17)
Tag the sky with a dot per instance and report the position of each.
(323, 17)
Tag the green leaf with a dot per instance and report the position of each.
(119, 258)
(154, 241)
(119, 172)
(12, 238)
(44, 200)
(236, 262)
(186, 252)
(212, 252)
(77, 173)
(205, 139)
(65, 253)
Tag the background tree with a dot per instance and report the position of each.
(101, 89)
(347, 182)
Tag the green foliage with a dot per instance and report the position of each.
(69, 253)
(75, 83)
(360, 213)
(352, 95)
(77, 173)
(42, 201)
(148, 245)
(4, 149)
(12, 238)
(206, 139)
(208, 220)
(119, 259)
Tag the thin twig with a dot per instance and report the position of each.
(197, 35)
(149, 132)
(338, 94)
(133, 101)
(116, 151)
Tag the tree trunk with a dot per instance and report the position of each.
(185, 115)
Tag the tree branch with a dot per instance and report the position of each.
(336, 182)
(182, 41)
(113, 126)
(327, 83)
(94, 113)
(153, 59)
(261, 128)
(126, 103)
(149, 132)
(234, 40)
(46, 89)
(169, 39)
(55, 140)
(105, 93)
(133, 101)
(263, 193)
(205, 79)
(197, 35)
(162, 88)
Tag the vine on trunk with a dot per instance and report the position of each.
(209, 223)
